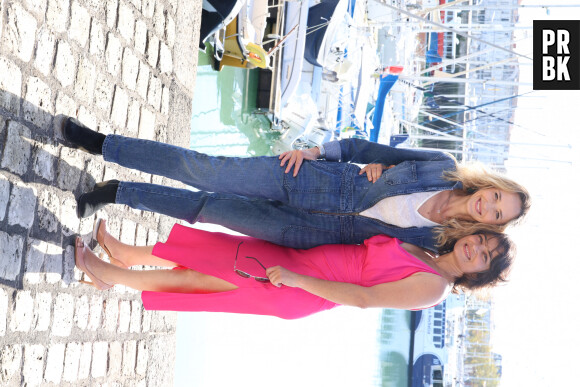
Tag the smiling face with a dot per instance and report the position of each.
(474, 253)
(494, 206)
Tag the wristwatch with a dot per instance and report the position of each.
(322, 152)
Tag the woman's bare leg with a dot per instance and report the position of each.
(174, 281)
(124, 255)
(137, 255)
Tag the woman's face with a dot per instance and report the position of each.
(474, 253)
(494, 206)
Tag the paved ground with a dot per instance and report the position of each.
(121, 66)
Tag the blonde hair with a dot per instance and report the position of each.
(475, 176)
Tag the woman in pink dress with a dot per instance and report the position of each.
(237, 274)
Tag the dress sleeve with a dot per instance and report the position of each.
(366, 152)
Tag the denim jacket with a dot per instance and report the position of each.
(335, 186)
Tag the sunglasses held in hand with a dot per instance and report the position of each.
(247, 275)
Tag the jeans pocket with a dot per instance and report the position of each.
(315, 177)
(402, 173)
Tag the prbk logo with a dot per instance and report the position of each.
(556, 54)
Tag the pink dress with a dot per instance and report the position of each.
(380, 259)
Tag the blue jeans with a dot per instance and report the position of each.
(247, 195)
(254, 196)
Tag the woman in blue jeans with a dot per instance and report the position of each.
(420, 197)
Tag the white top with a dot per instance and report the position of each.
(402, 210)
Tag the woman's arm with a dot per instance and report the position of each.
(366, 152)
(420, 290)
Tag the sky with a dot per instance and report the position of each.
(537, 313)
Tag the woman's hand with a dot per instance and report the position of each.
(295, 158)
(279, 276)
(374, 171)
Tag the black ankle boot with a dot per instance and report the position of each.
(82, 137)
(102, 194)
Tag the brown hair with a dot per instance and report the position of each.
(499, 267)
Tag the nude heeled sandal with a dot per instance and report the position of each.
(80, 263)
(99, 236)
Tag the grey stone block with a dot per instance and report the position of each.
(20, 31)
(57, 15)
(68, 216)
(72, 357)
(142, 358)
(143, 80)
(68, 275)
(99, 363)
(165, 59)
(147, 124)
(136, 310)
(4, 195)
(124, 316)
(147, 8)
(53, 263)
(111, 315)
(85, 81)
(38, 103)
(85, 360)
(104, 93)
(170, 30)
(80, 23)
(65, 105)
(44, 161)
(10, 87)
(130, 69)
(37, 7)
(113, 54)
(129, 357)
(32, 369)
(82, 310)
(97, 39)
(45, 51)
(65, 65)
(133, 118)
(34, 261)
(111, 12)
(23, 312)
(42, 312)
(161, 348)
(10, 361)
(70, 166)
(22, 206)
(54, 363)
(16, 156)
(153, 50)
(140, 36)
(126, 22)
(63, 315)
(96, 313)
(3, 311)
(115, 358)
(120, 107)
(11, 252)
(154, 95)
